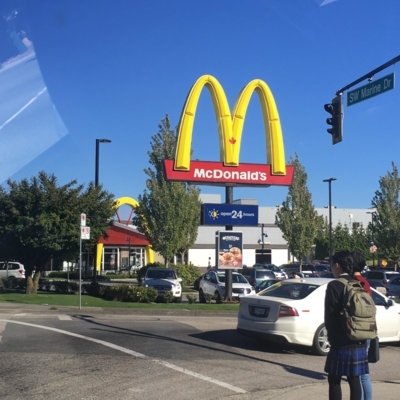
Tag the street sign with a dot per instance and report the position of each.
(230, 249)
(85, 232)
(229, 214)
(83, 219)
(372, 89)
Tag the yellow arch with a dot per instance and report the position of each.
(230, 129)
(125, 200)
(99, 247)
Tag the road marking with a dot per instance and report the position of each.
(133, 353)
(64, 318)
(23, 108)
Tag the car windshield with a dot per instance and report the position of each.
(236, 278)
(160, 274)
(260, 274)
(289, 290)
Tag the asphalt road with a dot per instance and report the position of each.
(100, 356)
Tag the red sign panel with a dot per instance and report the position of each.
(215, 173)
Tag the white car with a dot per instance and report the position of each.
(164, 280)
(213, 284)
(292, 311)
(12, 269)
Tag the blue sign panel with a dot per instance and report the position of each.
(229, 214)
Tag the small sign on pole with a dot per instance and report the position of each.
(83, 219)
(85, 232)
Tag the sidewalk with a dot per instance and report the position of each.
(319, 391)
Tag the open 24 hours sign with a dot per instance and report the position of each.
(229, 214)
(230, 249)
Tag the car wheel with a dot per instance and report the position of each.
(178, 299)
(202, 299)
(218, 299)
(321, 345)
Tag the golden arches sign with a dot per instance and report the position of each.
(230, 127)
(99, 247)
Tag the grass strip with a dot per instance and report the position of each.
(72, 300)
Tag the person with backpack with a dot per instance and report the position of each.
(358, 265)
(346, 357)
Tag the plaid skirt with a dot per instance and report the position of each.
(347, 361)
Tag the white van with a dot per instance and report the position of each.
(11, 269)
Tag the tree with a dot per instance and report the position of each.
(40, 220)
(168, 212)
(297, 217)
(386, 226)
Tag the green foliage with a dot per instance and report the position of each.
(39, 219)
(209, 297)
(191, 299)
(63, 275)
(14, 283)
(65, 286)
(386, 224)
(297, 217)
(123, 293)
(167, 297)
(168, 212)
(188, 273)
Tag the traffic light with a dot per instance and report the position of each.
(335, 109)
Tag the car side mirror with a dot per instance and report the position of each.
(179, 279)
(207, 277)
(390, 303)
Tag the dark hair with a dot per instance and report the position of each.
(358, 261)
(345, 260)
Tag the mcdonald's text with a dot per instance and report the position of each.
(215, 173)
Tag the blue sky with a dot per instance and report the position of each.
(114, 69)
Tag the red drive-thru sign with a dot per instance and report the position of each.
(230, 126)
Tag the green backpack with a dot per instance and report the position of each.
(359, 311)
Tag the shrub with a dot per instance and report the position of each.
(167, 297)
(191, 299)
(188, 273)
(14, 283)
(64, 275)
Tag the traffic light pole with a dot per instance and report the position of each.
(369, 75)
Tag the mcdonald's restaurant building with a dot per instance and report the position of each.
(265, 242)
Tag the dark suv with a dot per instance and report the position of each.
(256, 275)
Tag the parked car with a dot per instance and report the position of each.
(164, 280)
(393, 286)
(256, 275)
(308, 269)
(322, 269)
(380, 277)
(11, 269)
(213, 283)
(292, 311)
(276, 270)
(266, 284)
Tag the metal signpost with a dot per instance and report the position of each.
(85, 235)
(372, 89)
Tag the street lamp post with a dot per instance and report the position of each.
(373, 214)
(330, 218)
(96, 183)
(263, 235)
